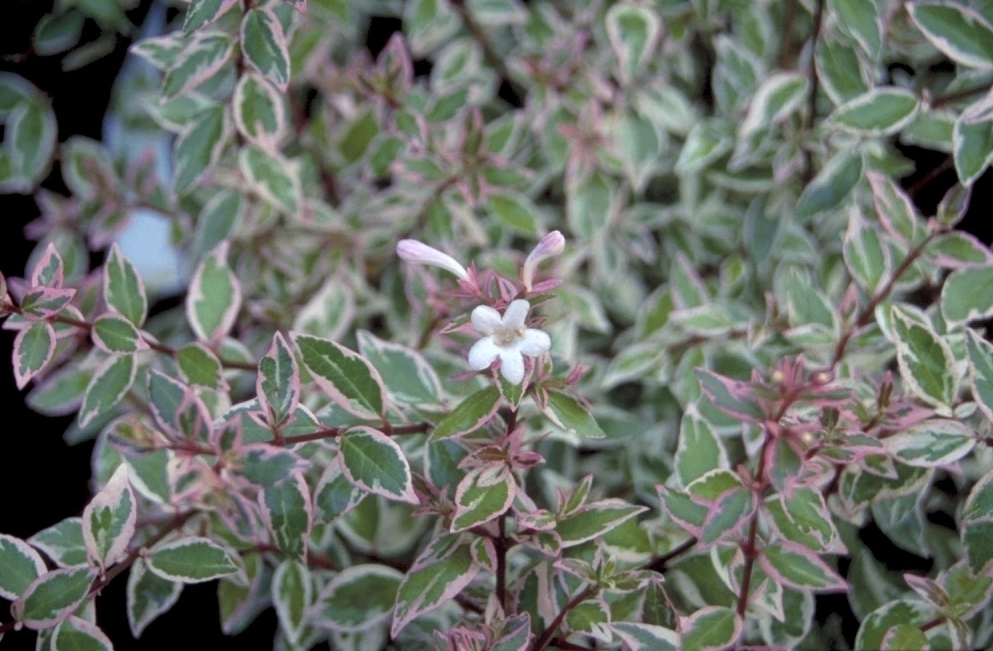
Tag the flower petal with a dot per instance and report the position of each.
(534, 343)
(421, 253)
(482, 353)
(512, 365)
(516, 313)
(486, 320)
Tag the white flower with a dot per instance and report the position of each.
(548, 247)
(506, 338)
(420, 253)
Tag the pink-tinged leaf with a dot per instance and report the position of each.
(62, 542)
(44, 302)
(932, 444)
(595, 519)
(335, 495)
(148, 596)
(33, 349)
(440, 572)
(484, 554)
(470, 415)
(199, 366)
(286, 509)
(76, 633)
(373, 462)
(123, 288)
(408, 376)
(191, 560)
(241, 601)
(165, 394)
(347, 377)
(358, 598)
(278, 382)
(263, 43)
(483, 494)
(110, 383)
(712, 628)
(203, 55)
(646, 637)
(895, 210)
(929, 589)
(958, 250)
(263, 464)
(790, 564)
(52, 597)
(48, 271)
(734, 398)
(116, 335)
(292, 594)
(203, 12)
(803, 517)
(727, 515)
(109, 520)
(19, 566)
(214, 297)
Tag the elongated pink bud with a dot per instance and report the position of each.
(549, 246)
(420, 253)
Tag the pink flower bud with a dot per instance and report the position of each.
(549, 246)
(420, 253)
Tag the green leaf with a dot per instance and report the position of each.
(199, 366)
(470, 415)
(408, 376)
(52, 596)
(972, 148)
(116, 335)
(831, 186)
(191, 560)
(75, 634)
(727, 515)
(292, 595)
(778, 96)
(359, 135)
(570, 414)
(375, 463)
(874, 627)
(33, 349)
(976, 525)
(109, 520)
(895, 210)
(926, 363)
(861, 19)
(286, 510)
(19, 566)
(981, 372)
(335, 495)
(932, 443)
(515, 211)
(264, 46)
(123, 289)
(28, 144)
(483, 494)
(358, 597)
(278, 382)
(200, 59)
(595, 519)
(800, 568)
(710, 628)
(110, 383)
(200, 147)
(214, 297)
(958, 31)
(347, 377)
(699, 449)
(275, 178)
(438, 574)
(646, 637)
(63, 542)
(633, 31)
(148, 596)
(803, 517)
(704, 145)
(866, 255)
(879, 112)
(259, 114)
(967, 295)
(202, 12)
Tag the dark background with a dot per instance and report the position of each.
(42, 480)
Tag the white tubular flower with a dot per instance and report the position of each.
(549, 246)
(506, 337)
(420, 253)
